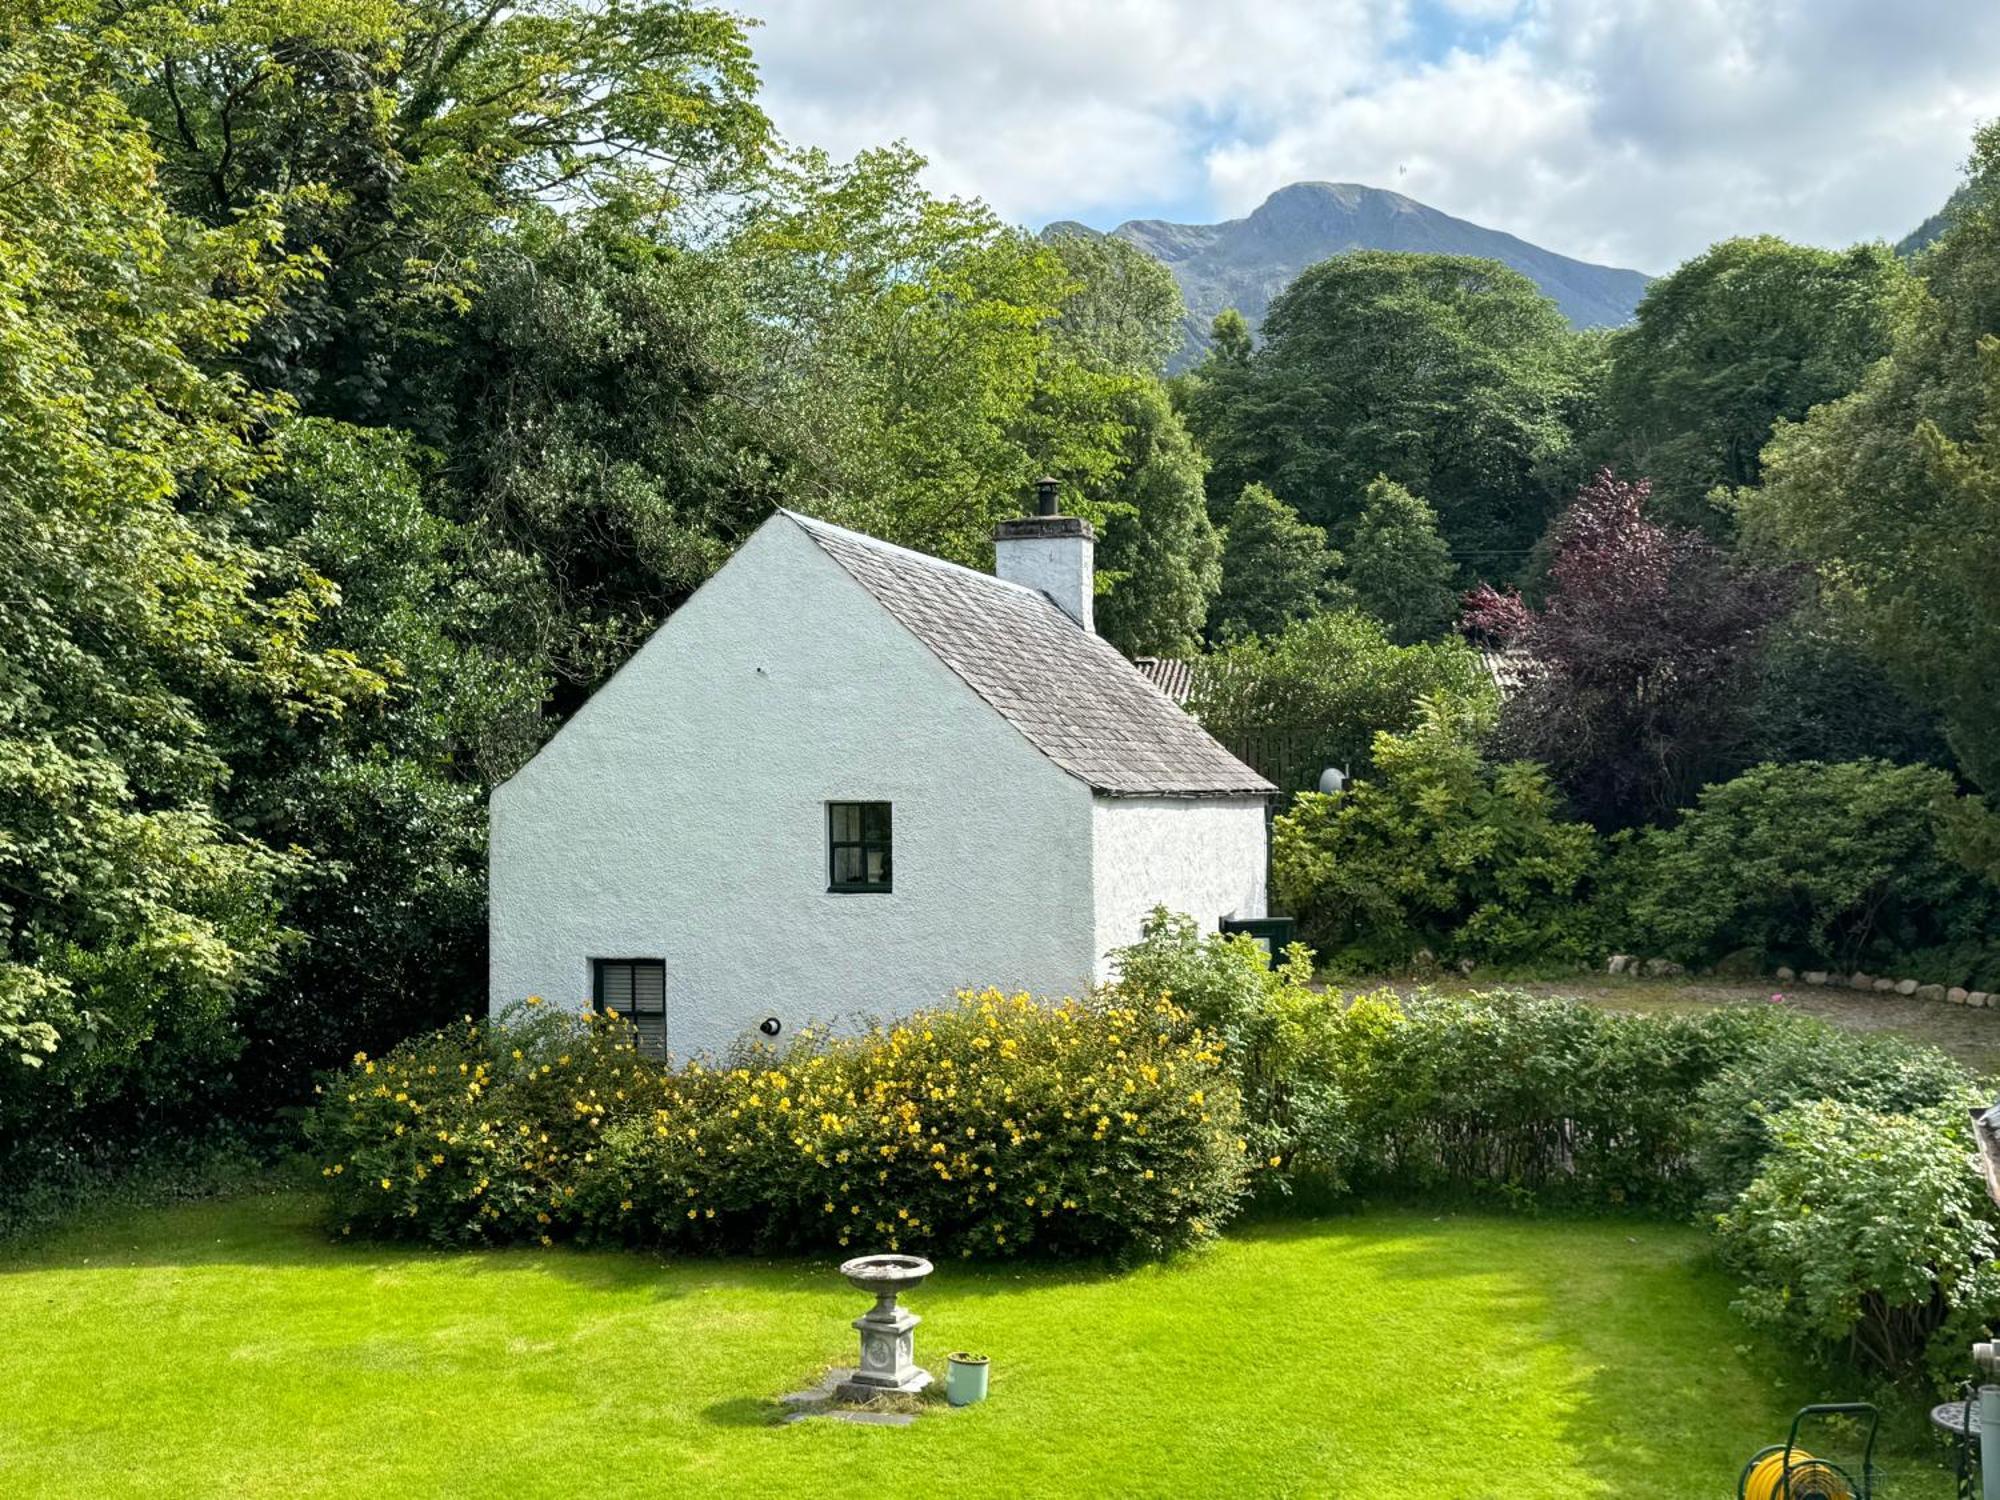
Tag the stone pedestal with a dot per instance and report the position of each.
(888, 1343)
(888, 1353)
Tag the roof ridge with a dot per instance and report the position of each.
(928, 559)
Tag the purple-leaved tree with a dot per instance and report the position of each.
(1637, 685)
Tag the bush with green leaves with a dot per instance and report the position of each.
(1793, 1060)
(1528, 1100)
(1280, 1037)
(1439, 852)
(1317, 694)
(1867, 1232)
(995, 1126)
(1846, 866)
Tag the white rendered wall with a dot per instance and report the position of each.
(681, 815)
(1200, 855)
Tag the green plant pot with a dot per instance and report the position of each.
(965, 1378)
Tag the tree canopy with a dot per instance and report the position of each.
(1750, 333)
(1892, 494)
(1451, 375)
(1275, 568)
(1399, 566)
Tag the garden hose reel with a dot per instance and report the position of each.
(1785, 1471)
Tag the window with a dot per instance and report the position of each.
(635, 988)
(857, 846)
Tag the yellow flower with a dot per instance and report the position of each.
(385, 1184)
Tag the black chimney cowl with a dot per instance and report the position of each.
(1045, 496)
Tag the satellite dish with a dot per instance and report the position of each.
(1333, 780)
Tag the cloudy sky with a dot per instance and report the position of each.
(1633, 132)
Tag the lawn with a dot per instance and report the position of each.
(230, 1349)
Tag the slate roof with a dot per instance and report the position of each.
(1071, 693)
(1169, 674)
(1510, 667)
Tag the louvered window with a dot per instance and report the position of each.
(635, 988)
(857, 842)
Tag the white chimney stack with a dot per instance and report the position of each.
(1051, 552)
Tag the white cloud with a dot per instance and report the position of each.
(1632, 131)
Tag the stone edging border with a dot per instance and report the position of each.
(1906, 988)
(1663, 968)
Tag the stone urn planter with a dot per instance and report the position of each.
(888, 1343)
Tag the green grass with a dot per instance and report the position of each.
(229, 1349)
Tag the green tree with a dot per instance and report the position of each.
(1230, 343)
(1892, 494)
(1818, 695)
(1159, 562)
(1317, 694)
(400, 132)
(134, 918)
(1749, 333)
(391, 798)
(1275, 568)
(1451, 375)
(1126, 307)
(1398, 565)
(911, 342)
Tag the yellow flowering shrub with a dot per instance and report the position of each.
(477, 1131)
(995, 1126)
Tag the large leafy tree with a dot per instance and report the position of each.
(133, 918)
(1399, 566)
(1749, 333)
(1892, 494)
(1642, 658)
(390, 799)
(1452, 375)
(401, 131)
(1159, 562)
(1275, 568)
(1126, 307)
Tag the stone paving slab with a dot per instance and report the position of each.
(819, 1401)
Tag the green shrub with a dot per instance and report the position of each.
(1279, 1037)
(1440, 852)
(1526, 1099)
(1865, 1231)
(1317, 694)
(993, 1127)
(1845, 865)
(1795, 1059)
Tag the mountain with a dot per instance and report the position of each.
(1919, 239)
(1244, 263)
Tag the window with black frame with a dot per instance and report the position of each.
(635, 988)
(857, 846)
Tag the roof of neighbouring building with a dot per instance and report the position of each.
(1070, 692)
(1510, 667)
(1169, 674)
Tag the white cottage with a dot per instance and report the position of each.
(847, 779)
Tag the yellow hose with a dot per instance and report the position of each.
(1811, 1479)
